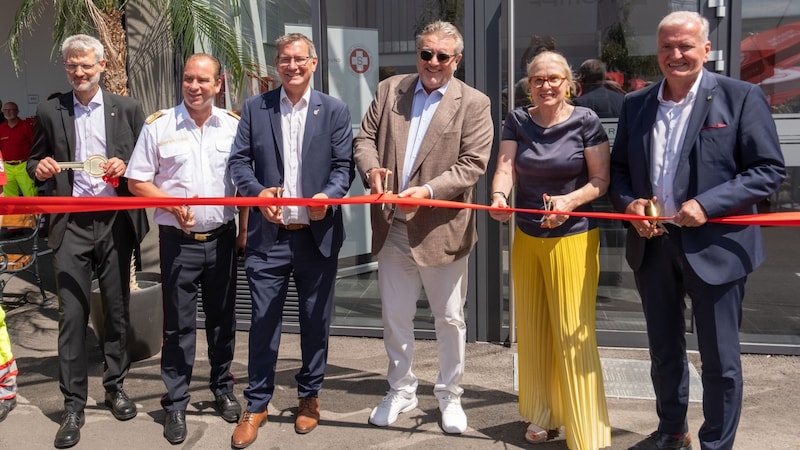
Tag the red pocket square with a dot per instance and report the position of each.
(716, 125)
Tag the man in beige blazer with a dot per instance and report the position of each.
(431, 134)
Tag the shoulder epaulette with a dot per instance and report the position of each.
(233, 114)
(153, 117)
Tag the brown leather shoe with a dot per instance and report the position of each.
(307, 415)
(246, 430)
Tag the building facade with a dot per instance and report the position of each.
(363, 41)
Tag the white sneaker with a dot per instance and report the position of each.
(454, 421)
(392, 404)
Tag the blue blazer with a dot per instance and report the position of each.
(730, 160)
(256, 163)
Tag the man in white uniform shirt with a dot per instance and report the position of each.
(183, 152)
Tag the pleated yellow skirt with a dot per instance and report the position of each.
(560, 377)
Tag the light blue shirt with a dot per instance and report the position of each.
(422, 112)
(90, 139)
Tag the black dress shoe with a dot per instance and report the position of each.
(229, 408)
(175, 427)
(121, 406)
(6, 406)
(69, 433)
(664, 441)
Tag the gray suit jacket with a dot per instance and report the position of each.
(453, 156)
(54, 136)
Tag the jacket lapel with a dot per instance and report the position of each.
(271, 104)
(111, 112)
(440, 122)
(702, 105)
(312, 114)
(66, 110)
(649, 112)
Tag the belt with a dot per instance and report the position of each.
(293, 226)
(15, 162)
(200, 237)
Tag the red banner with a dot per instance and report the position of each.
(23, 205)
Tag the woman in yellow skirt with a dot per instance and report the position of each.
(557, 156)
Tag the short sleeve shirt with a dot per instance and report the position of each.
(551, 161)
(184, 160)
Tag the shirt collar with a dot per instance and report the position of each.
(182, 115)
(306, 96)
(97, 100)
(689, 96)
(441, 89)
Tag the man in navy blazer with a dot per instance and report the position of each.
(698, 146)
(294, 142)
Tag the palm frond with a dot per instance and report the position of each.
(203, 23)
(27, 15)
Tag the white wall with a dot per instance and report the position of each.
(38, 77)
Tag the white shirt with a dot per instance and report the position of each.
(184, 160)
(423, 108)
(669, 133)
(90, 139)
(293, 126)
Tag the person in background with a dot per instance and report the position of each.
(183, 152)
(74, 127)
(293, 141)
(602, 96)
(16, 137)
(556, 156)
(695, 146)
(435, 133)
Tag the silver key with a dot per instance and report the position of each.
(91, 165)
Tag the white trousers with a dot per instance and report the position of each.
(401, 280)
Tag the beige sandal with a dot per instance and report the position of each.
(535, 434)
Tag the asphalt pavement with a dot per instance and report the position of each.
(355, 382)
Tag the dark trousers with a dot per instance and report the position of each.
(294, 253)
(663, 280)
(185, 264)
(101, 243)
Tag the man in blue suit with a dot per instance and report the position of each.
(697, 145)
(295, 142)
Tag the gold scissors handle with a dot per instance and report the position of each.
(651, 210)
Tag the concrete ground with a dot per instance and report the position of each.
(354, 384)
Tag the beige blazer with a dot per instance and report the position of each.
(454, 154)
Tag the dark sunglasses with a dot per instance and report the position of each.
(427, 55)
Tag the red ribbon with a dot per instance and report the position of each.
(27, 205)
(113, 181)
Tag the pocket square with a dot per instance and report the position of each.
(716, 125)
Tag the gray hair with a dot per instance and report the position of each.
(679, 18)
(82, 43)
(443, 28)
(290, 38)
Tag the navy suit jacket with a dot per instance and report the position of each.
(256, 163)
(54, 136)
(730, 160)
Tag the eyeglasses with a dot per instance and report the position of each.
(74, 67)
(553, 80)
(427, 55)
(300, 61)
